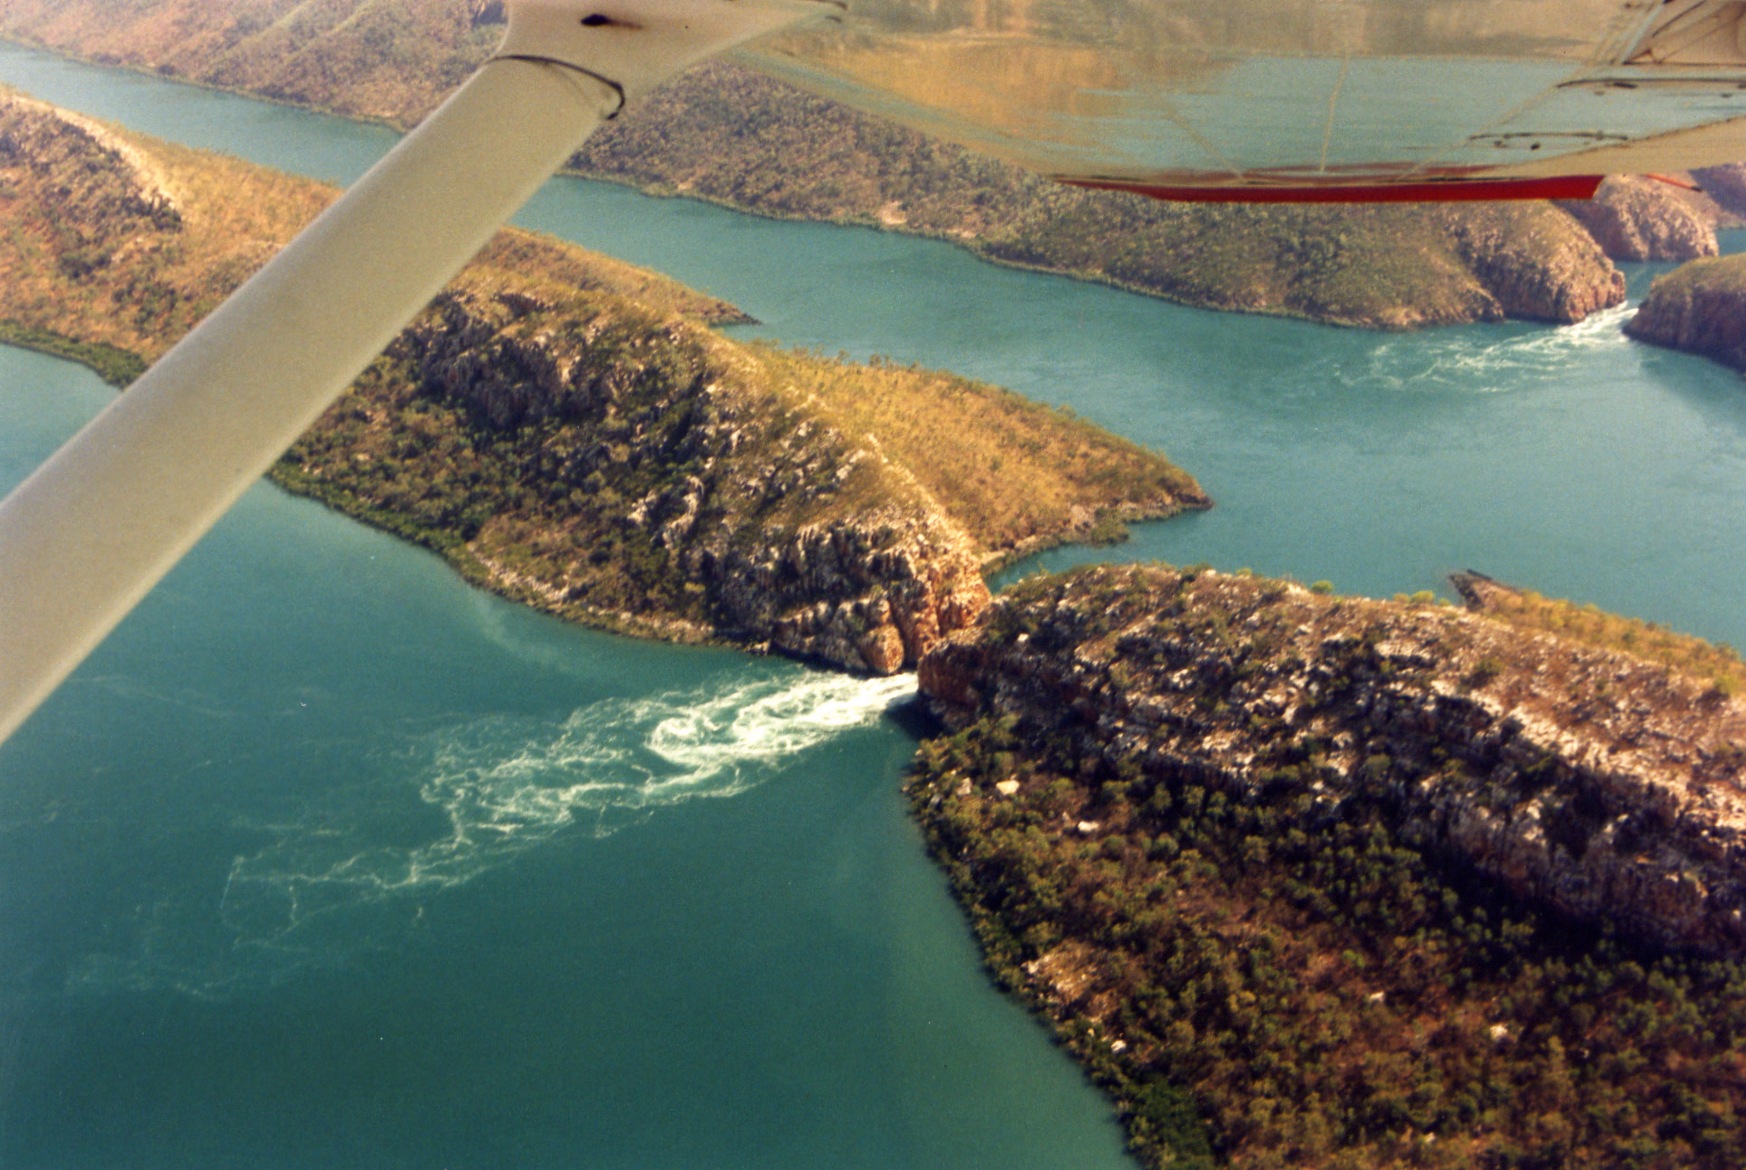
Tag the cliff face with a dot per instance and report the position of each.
(876, 593)
(594, 460)
(658, 492)
(1315, 881)
(1700, 308)
(1598, 785)
(1638, 218)
(1534, 270)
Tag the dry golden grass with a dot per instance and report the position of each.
(1012, 475)
(158, 282)
(1008, 470)
(1525, 609)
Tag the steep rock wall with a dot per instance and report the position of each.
(1637, 218)
(1700, 308)
(726, 501)
(1592, 783)
(1562, 280)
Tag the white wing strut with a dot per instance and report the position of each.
(94, 528)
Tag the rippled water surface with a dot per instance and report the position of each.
(326, 860)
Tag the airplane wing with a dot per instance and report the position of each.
(1300, 99)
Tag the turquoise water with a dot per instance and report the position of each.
(1570, 460)
(326, 860)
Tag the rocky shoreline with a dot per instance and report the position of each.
(731, 136)
(1698, 308)
(1309, 880)
(567, 431)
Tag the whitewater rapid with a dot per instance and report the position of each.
(339, 877)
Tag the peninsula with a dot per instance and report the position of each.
(1699, 307)
(729, 135)
(1309, 880)
(566, 430)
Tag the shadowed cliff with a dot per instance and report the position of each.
(1700, 308)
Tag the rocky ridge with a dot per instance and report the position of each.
(1533, 271)
(121, 194)
(71, 190)
(1637, 217)
(593, 460)
(565, 429)
(727, 134)
(1598, 785)
(1700, 308)
(1316, 881)
(733, 136)
(660, 490)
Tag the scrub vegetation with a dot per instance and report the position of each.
(566, 429)
(118, 367)
(1009, 470)
(1286, 990)
(1593, 626)
(727, 134)
(1242, 919)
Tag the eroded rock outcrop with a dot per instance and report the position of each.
(1633, 217)
(603, 463)
(1700, 308)
(877, 593)
(1533, 278)
(1593, 783)
(674, 499)
(624, 469)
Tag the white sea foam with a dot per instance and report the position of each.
(1466, 358)
(499, 787)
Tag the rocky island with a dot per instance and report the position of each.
(1700, 308)
(1312, 880)
(566, 430)
(733, 136)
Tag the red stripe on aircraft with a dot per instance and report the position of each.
(1445, 191)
